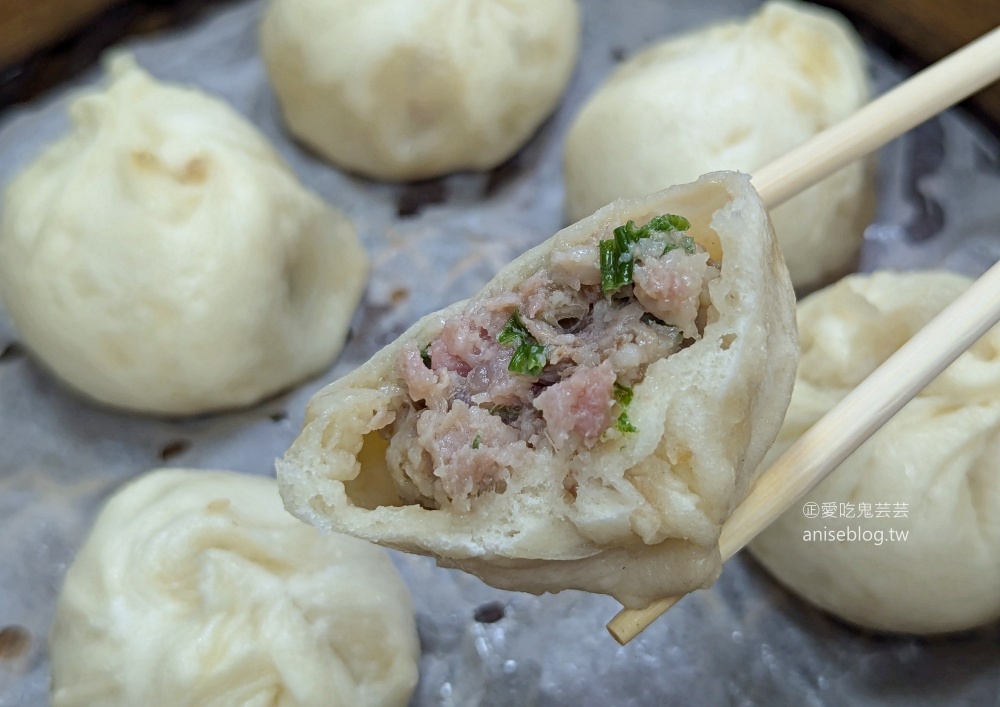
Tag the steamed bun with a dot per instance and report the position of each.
(196, 588)
(396, 89)
(162, 258)
(733, 96)
(934, 468)
(550, 434)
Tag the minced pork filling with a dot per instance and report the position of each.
(548, 365)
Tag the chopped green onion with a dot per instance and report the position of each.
(426, 356)
(668, 222)
(624, 235)
(623, 425)
(529, 356)
(611, 278)
(528, 359)
(616, 252)
(614, 272)
(476, 442)
(623, 396)
(686, 242)
(624, 238)
(514, 331)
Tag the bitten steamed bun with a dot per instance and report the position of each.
(162, 258)
(588, 420)
(932, 472)
(733, 96)
(196, 588)
(395, 89)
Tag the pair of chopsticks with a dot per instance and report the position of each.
(880, 396)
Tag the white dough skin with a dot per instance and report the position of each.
(398, 90)
(940, 455)
(162, 258)
(734, 96)
(196, 588)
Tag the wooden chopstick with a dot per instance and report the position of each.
(915, 364)
(923, 96)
